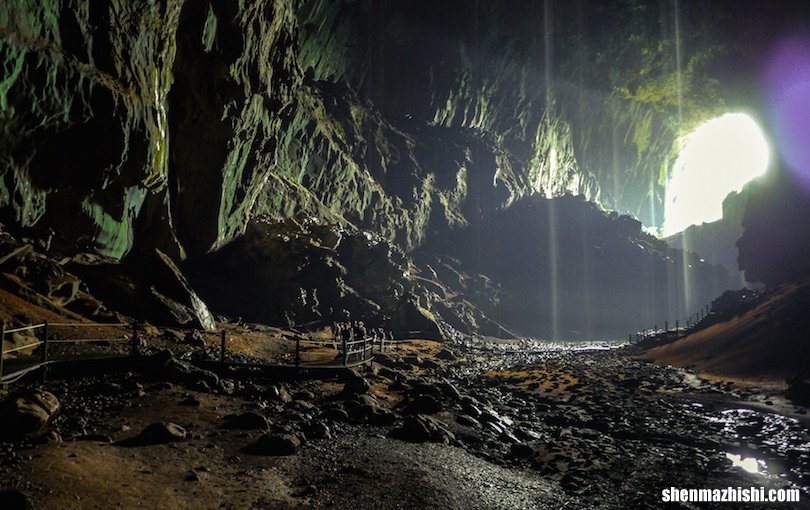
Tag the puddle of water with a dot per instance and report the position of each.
(748, 464)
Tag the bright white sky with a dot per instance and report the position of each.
(717, 158)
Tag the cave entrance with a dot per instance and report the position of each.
(717, 158)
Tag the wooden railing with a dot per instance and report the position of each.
(45, 333)
(347, 352)
(683, 327)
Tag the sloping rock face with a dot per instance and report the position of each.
(291, 274)
(775, 241)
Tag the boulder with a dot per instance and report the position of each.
(246, 421)
(275, 445)
(446, 355)
(423, 404)
(421, 429)
(304, 395)
(354, 383)
(413, 430)
(316, 429)
(335, 414)
(450, 391)
(166, 367)
(423, 388)
(26, 412)
(279, 394)
(19, 339)
(467, 421)
(471, 409)
(156, 433)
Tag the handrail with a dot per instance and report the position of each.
(23, 347)
(26, 328)
(46, 341)
(87, 325)
(88, 340)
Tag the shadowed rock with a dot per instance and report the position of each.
(274, 445)
(423, 404)
(421, 429)
(247, 421)
(156, 433)
(25, 412)
(355, 383)
(167, 367)
(13, 500)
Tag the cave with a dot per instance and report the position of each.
(385, 254)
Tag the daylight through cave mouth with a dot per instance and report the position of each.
(717, 158)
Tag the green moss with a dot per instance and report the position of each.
(12, 66)
(114, 235)
(209, 30)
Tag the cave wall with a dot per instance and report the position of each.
(153, 117)
(170, 123)
(586, 96)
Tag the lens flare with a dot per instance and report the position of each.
(717, 158)
(787, 80)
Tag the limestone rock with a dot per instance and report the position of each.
(423, 404)
(166, 367)
(275, 445)
(157, 433)
(446, 355)
(354, 383)
(247, 421)
(421, 429)
(26, 412)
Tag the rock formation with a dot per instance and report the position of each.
(178, 126)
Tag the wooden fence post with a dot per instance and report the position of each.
(345, 354)
(133, 350)
(44, 358)
(222, 346)
(2, 337)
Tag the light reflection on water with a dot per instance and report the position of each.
(527, 345)
(749, 464)
(776, 431)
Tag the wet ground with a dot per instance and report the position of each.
(518, 428)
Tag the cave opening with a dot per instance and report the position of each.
(717, 158)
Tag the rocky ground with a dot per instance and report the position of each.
(427, 425)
